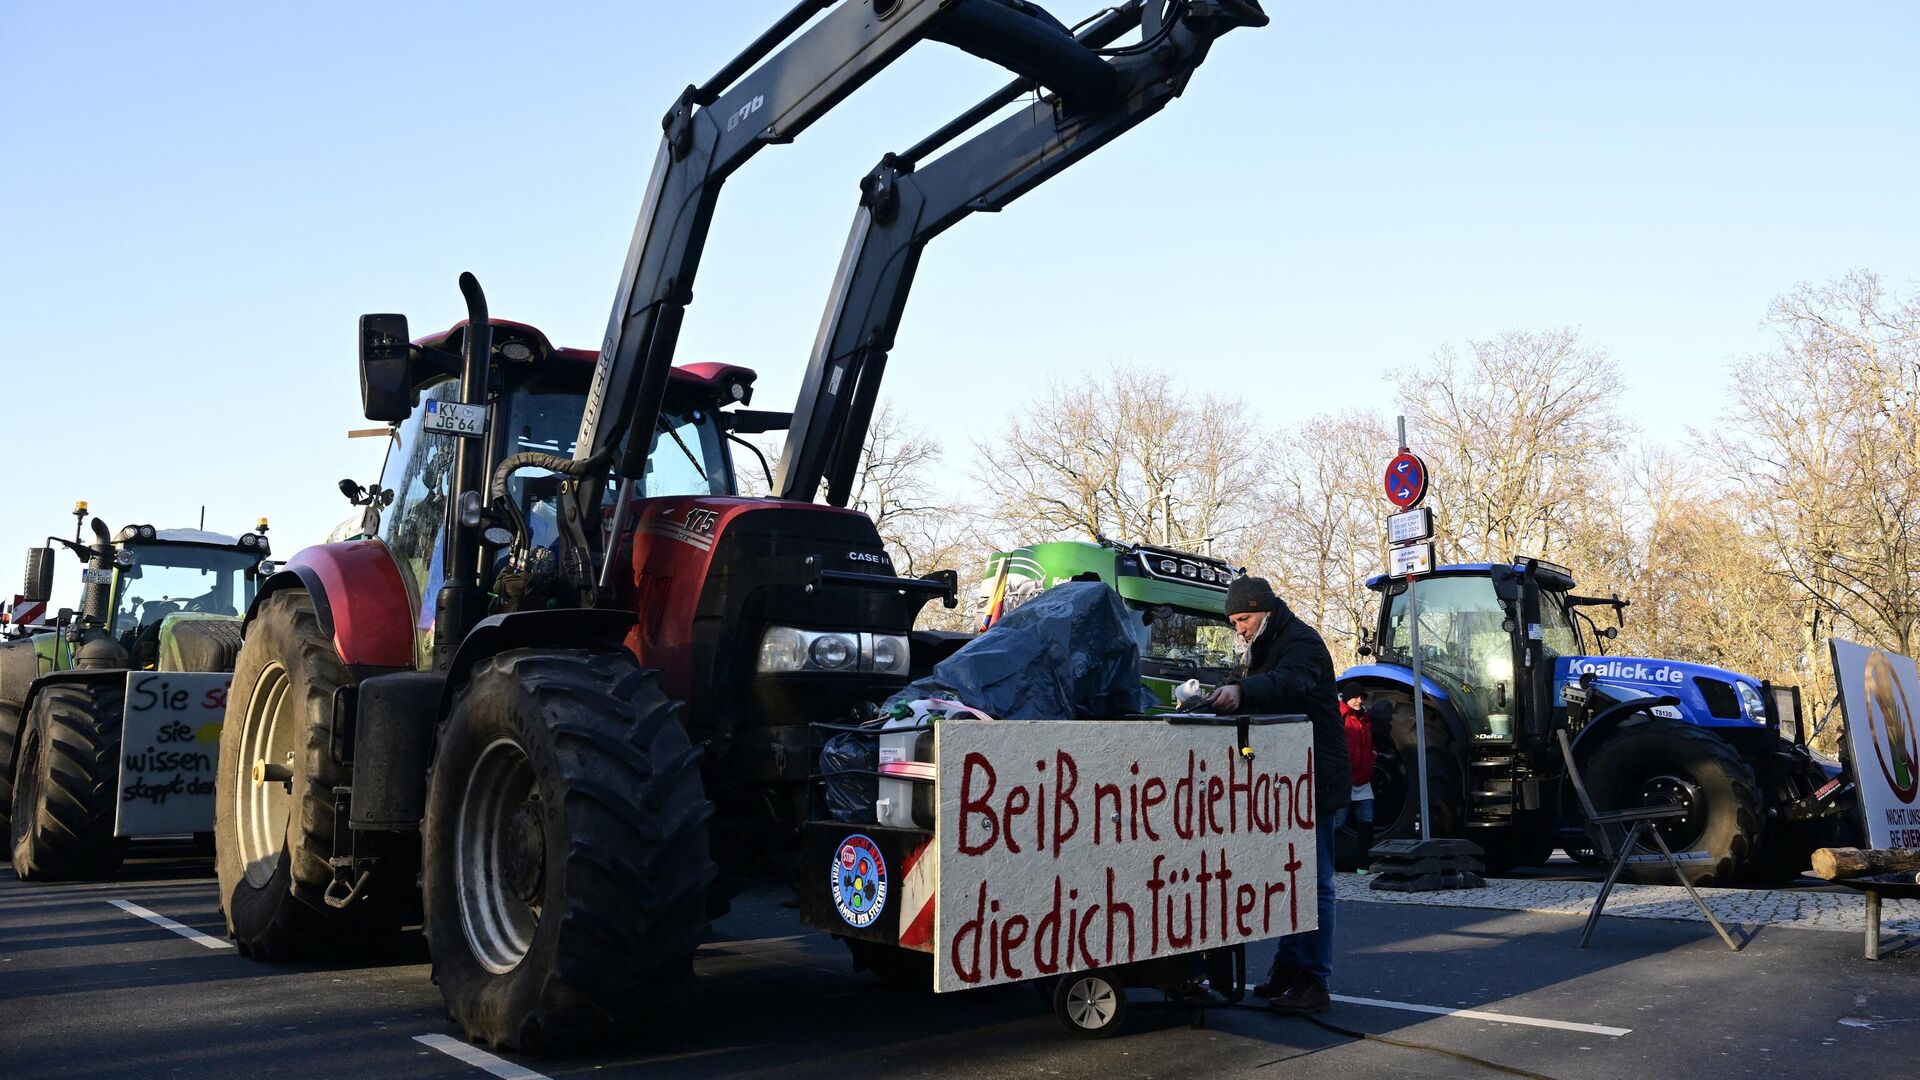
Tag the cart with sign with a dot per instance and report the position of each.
(1085, 856)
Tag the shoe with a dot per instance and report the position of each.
(1303, 998)
(1279, 981)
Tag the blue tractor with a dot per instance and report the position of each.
(1505, 648)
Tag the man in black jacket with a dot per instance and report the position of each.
(1288, 670)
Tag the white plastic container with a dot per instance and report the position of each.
(905, 797)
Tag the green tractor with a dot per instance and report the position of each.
(110, 715)
(1181, 597)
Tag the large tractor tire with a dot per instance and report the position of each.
(566, 865)
(273, 839)
(1396, 794)
(12, 729)
(68, 784)
(1663, 761)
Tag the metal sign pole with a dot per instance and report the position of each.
(1419, 697)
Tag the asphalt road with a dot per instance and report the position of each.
(91, 989)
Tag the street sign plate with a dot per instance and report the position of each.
(1406, 481)
(453, 418)
(1413, 559)
(1410, 526)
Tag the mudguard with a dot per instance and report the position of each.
(361, 600)
(1403, 678)
(76, 677)
(563, 628)
(1611, 719)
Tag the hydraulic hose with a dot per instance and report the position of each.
(1024, 39)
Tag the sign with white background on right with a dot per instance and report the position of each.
(1880, 699)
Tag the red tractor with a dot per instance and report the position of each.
(566, 687)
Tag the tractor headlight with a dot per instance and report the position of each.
(890, 654)
(248, 540)
(788, 649)
(1752, 706)
(834, 652)
(148, 532)
(123, 558)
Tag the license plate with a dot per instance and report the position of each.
(453, 418)
(96, 577)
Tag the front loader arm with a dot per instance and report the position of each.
(904, 205)
(759, 98)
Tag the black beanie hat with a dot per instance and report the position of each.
(1248, 594)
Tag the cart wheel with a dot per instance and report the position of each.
(1090, 1004)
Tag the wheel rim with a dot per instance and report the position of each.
(500, 856)
(262, 808)
(1092, 1002)
(1667, 789)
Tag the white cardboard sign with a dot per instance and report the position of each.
(169, 748)
(1880, 698)
(1077, 844)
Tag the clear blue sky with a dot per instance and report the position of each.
(196, 200)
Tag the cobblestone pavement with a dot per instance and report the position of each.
(1806, 909)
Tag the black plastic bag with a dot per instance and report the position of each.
(1068, 653)
(847, 764)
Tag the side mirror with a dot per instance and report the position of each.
(386, 386)
(38, 588)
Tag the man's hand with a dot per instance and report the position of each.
(1225, 699)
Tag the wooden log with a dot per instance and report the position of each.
(1846, 862)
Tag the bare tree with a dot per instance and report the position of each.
(1132, 456)
(1822, 438)
(1322, 533)
(1515, 433)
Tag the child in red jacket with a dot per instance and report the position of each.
(1353, 715)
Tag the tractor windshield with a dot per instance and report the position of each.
(1558, 633)
(540, 414)
(1464, 644)
(1187, 639)
(168, 579)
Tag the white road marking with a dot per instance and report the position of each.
(478, 1058)
(162, 921)
(1477, 1014)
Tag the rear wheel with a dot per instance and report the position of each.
(274, 804)
(566, 859)
(1665, 762)
(64, 803)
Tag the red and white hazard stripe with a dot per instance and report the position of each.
(920, 887)
(22, 613)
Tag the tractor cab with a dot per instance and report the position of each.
(1179, 598)
(1480, 624)
(164, 577)
(540, 391)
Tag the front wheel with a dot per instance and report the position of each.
(1665, 762)
(274, 807)
(566, 860)
(1396, 791)
(68, 790)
